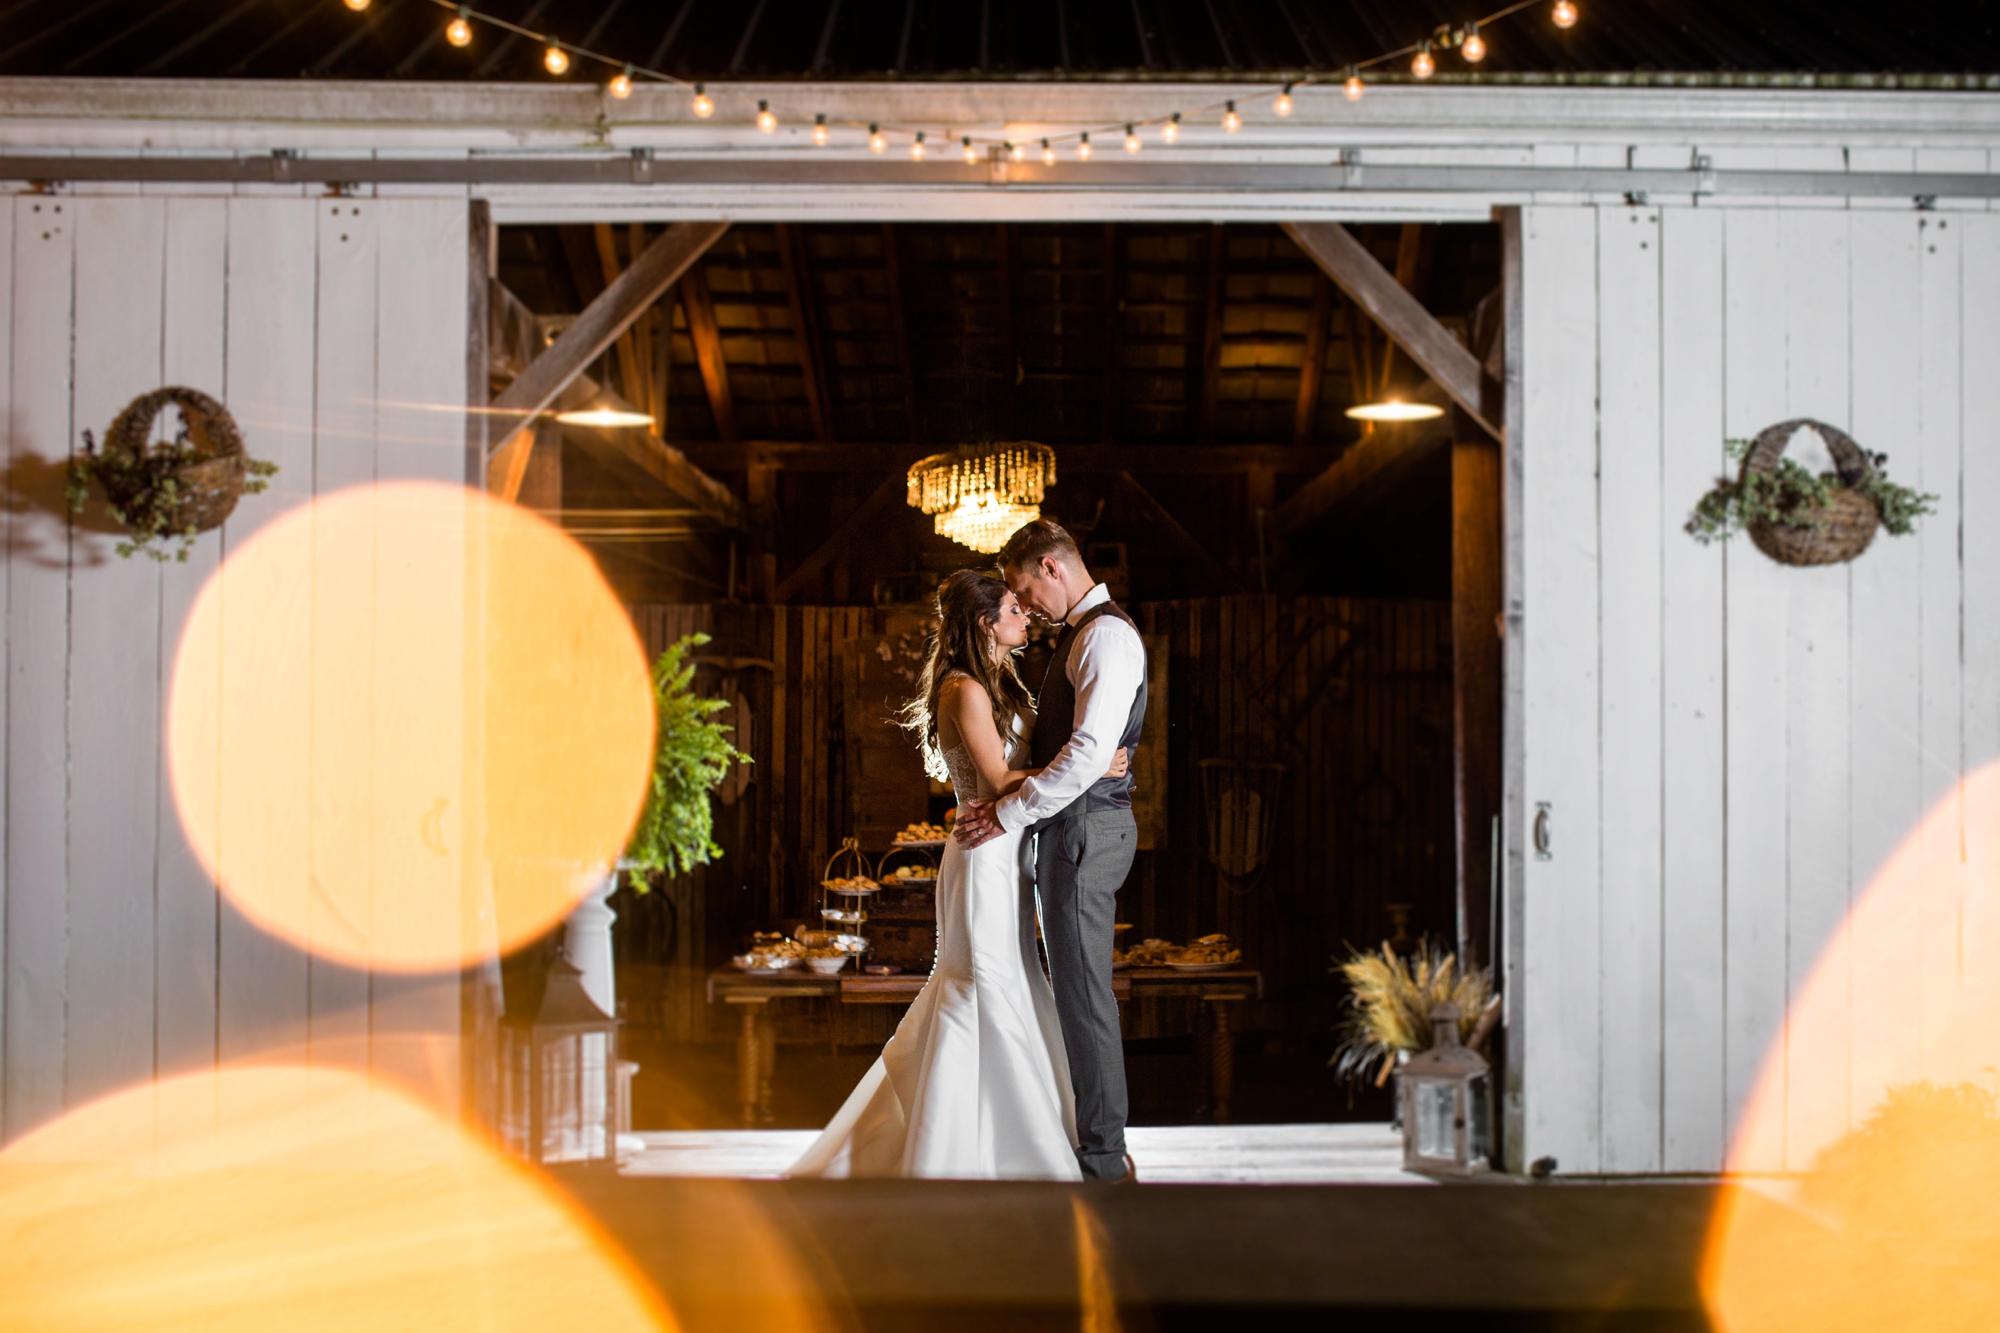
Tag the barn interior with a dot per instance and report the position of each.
(1290, 564)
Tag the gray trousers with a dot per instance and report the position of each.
(1079, 864)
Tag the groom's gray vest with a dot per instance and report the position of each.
(1055, 719)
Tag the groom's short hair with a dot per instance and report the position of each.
(1032, 541)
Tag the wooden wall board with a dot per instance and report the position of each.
(40, 431)
(1814, 262)
(7, 522)
(1693, 1111)
(1562, 985)
(1756, 631)
(1888, 645)
(1631, 538)
(1979, 488)
(195, 327)
(114, 632)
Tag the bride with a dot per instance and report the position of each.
(975, 1083)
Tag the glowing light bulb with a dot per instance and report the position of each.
(820, 132)
(1473, 48)
(1048, 154)
(1083, 147)
(1132, 144)
(1353, 87)
(1171, 131)
(1283, 105)
(767, 120)
(1231, 122)
(1017, 152)
(1563, 15)
(878, 142)
(1423, 66)
(917, 147)
(971, 153)
(459, 31)
(555, 60)
(357, 5)
(620, 86)
(704, 105)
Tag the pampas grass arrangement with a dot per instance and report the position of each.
(1389, 1009)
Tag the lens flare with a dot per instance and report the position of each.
(1873, 1132)
(290, 1198)
(394, 700)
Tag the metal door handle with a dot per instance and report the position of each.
(1542, 834)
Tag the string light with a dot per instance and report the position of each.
(555, 59)
(877, 141)
(1171, 131)
(971, 153)
(620, 86)
(1283, 105)
(704, 105)
(1563, 15)
(917, 147)
(1423, 66)
(357, 5)
(1473, 48)
(1231, 122)
(1083, 147)
(1017, 152)
(459, 31)
(767, 120)
(820, 132)
(1353, 86)
(1132, 144)
(1048, 154)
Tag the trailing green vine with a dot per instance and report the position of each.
(142, 490)
(691, 756)
(1789, 495)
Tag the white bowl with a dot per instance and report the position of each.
(826, 967)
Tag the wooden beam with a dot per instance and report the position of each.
(1179, 535)
(1313, 369)
(1413, 248)
(544, 379)
(1369, 466)
(899, 327)
(893, 488)
(1402, 317)
(805, 328)
(1211, 337)
(1112, 345)
(640, 456)
(641, 337)
(632, 367)
(1476, 666)
(707, 339)
(1075, 459)
(1010, 346)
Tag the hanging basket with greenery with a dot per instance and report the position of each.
(1797, 518)
(691, 756)
(164, 492)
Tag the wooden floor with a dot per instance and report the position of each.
(1367, 1154)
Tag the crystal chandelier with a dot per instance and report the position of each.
(978, 494)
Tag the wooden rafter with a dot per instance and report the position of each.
(1367, 468)
(859, 520)
(1010, 346)
(805, 327)
(1112, 347)
(1211, 336)
(707, 339)
(1179, 535)
(545, 378)
(1313, 368)
(1075, 459)
(1400, 315)
(1413, 253)
(635, 359)
(899, 325)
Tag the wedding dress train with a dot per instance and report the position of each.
(975, 1083)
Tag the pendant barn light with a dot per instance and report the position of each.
(978, 494)
(1393, 410)
(603, 416)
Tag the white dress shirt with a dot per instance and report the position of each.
(1107, 664)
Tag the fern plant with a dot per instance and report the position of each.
(691, 756)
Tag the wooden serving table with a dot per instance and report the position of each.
(756, 1036)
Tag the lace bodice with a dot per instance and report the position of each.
(965, 778)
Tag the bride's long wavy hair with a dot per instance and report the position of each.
(968, 605)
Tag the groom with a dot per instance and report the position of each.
(1081, 832)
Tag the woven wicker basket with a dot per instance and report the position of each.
(1845, 527)
(209, 487)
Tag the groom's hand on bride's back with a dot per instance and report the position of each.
(976, 824)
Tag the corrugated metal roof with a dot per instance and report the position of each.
(935, 39)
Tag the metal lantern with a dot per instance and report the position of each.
(562, 1077)
(1446, 1103)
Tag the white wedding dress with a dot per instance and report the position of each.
(975, 1083)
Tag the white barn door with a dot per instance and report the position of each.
(335, 330)
(1723, 751)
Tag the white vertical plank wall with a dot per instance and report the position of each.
(1731, 749)
(122, 961)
